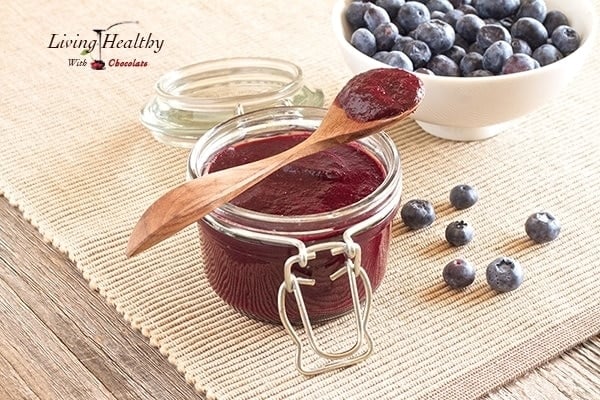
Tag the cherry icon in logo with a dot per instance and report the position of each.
(98, 64)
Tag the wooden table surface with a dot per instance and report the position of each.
(61, 340)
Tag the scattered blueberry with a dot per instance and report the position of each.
(458, 274)
(463, 196)
(496, 55)
(547, 54)
(411, 14)
(497, 9)
(417, 214)
(504, 274)
(533, 8)
(542, 227)
(566, 39)
(438, 35)
(531, 30)
(364, 41)
(554, 19)
(459, 233)
(442, 65)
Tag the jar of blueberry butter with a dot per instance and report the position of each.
(310, 242)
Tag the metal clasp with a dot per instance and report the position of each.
(363, 345)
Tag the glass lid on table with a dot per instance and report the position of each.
(190, 100)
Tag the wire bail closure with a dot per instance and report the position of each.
(363, 345)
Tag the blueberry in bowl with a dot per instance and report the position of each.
(534, 48)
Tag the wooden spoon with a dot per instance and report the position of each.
(368, 103)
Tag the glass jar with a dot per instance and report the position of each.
(190, 100)
(288, 269)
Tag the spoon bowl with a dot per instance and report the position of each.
(368, 103)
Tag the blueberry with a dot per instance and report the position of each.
(439, 5)
(400, 41)
(385, 36)
(491, 33)
(467, 9)
(375, 16)
(459, 233)
(355, 13)
(533, 8)
(520, 46)
(456, 54)
(452, 17)
(458, 274)
(364, 41)
(460, 42)
(437, 15)
(438, 35)
(519, 63)
(417, 214)
(425, 71)
(463, 196)
(504, 274)
(411, 14)
(496, 55)
(531, 30)
(542, 227)
(547, 54)
(395, 59)
(497, 9)
(418, 52)
(390, 6)
(469, 63)
(442, 65)
(566, 39)
(475, 48)
(468, 26)
(458, 3)
(507, 22)
(554, 19)
(480, 73)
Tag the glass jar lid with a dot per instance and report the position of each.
(190, 100)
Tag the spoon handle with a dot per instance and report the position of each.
(189, 202)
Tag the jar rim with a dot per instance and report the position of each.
(174, 86)
(376, 143)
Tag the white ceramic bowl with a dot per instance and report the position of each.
(460, 108)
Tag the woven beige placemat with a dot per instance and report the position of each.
(77, 162)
